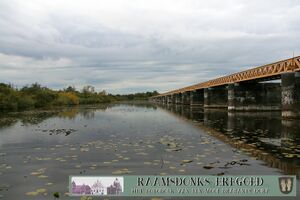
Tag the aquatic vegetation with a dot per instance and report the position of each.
(185, 161)
(208, 167)
(56, 195)
(37, 192)
(122, 171)
(38, 172)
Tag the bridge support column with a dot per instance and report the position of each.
(178, 98)
(169, 99)
(290, 95)
(231, 97)
(173, 98)
(207, 96)
(216, 97)
(182, 98)
(159, 99)
(254, 96)
(164, 99)
(197, 97)
(186, 98)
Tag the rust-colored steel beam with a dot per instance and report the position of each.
(265, 71)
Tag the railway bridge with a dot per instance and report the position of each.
(249, 90)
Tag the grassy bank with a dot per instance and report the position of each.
(37, 96)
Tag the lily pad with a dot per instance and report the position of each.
(208, 167)
(186, 161)
(34, 193)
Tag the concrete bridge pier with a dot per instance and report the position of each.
(173, 99)
(163, 99)
(178, 98)
(290, 95)
(254, 96)
(186, 98)
(182, 98)
(215, 97)
(197, 97)
(169, 99)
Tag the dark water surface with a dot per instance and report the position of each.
(40, 149)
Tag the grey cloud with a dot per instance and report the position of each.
(127, 46)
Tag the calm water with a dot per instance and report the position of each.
(39, 150)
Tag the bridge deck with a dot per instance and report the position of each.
(262, 72)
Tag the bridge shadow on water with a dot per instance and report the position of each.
(263, 135)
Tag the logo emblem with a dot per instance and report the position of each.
(285, 184)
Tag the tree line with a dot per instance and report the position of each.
(37, 96)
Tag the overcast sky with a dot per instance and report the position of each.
(126, 46)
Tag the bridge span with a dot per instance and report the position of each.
(246, 90)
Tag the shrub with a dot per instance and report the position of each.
(44, 98)
(66, 98)
(25, 102)
(8, 102)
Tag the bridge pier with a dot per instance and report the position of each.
(169, 99)
(186, 98)
(254, 96)
(163, 99)
(182, 98)
(178, 98)
(215, 97)
(197, 97)
(173, 98)
(290, 95)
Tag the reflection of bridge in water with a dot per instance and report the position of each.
(246, 90)
(264, 135)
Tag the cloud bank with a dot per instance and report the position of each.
(126, 46)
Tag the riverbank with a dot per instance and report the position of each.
(36, 96)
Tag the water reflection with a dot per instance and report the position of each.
(40, 149)
(38, 116)
(264, 135)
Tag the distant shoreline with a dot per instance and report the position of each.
(36, 96)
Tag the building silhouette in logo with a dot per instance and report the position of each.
(80, 189)
(97, 188)
(115, 188)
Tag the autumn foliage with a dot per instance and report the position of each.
(37, 96)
